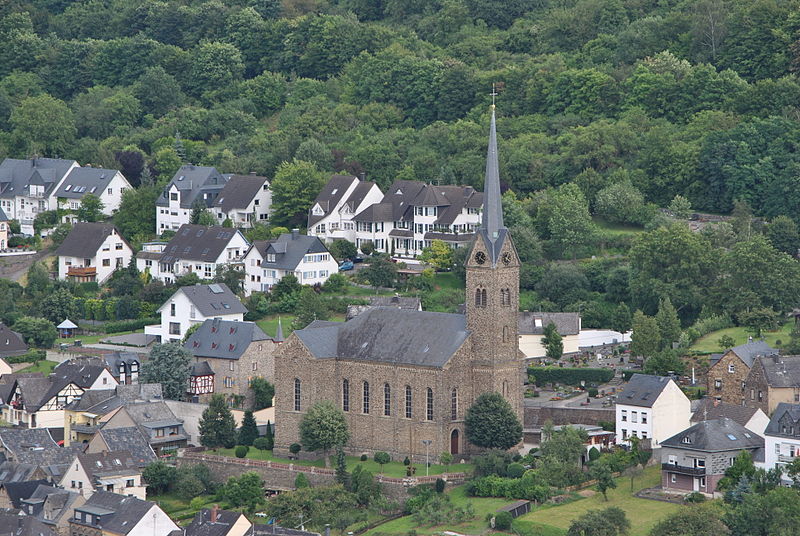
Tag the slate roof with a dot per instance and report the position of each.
(566, 323)
(239, 192)
(198, 243)
(400, 194)
(749, 351)
(130, 439)
(85, 239)
(785, 414)
(82, 372)
(781, 371)
(3, 216)
(85, 180)
(201, 368)
(194, 182)
(12, 524)
(383, 211)
(116, 360)
(400, 302)
(330, 195)
(359, 193)
(17, 491)
(57, 503)
(492, 230)
(125, 512)
(273, 529)
(224, 339)
(15, 472)
(717, 435)
(148, 412)
(17, 175)
(109, 463)
(390, 335)
(201, 525)
(11, 342)
(289, 250)
(213, 299)
(643, 390)
(710, 409)
(35, 446)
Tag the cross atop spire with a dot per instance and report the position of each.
(493, 94)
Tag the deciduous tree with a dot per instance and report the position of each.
(323, 427)
(491, 423)
(168, 365)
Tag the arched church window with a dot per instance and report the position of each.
(483, 298)
(477, 297)
(505, 297)
(297, 394)
(408, 401)
(505, 333)
(429, 405)
(454, 404)
(505, 389)
(366, 397)
(387, 399)
(345, 395)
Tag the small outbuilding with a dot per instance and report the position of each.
(66, 329)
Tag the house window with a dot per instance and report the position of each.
(718, 384)
(624, 434)
(408, 401)
(454, 404)
(345, 395)
(118, 245)
(173, 196)
(171, 309)
(297, 394)
(387, 400)
(174, 328)
(429, 405)
(673, 477)
(752, 394)
(230, 365)
(702, 481)
(505, 297)
(160, 432)
(644, 418)
(777, 448)
(255, 366)
(365, 407)
(106, 262)
(129, 483)
(760, 396)
(634, 416)
(624, 415)
(192, 311)
(644, 435)
(700, 463)
(673, 459)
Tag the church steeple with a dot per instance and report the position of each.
(492, 228)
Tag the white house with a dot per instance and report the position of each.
(27, 187)
(110, 513)
(782, 437)
(331, 215)
(194, 248)
(106, 184)
(3, 230)
(91, 252)
(267, 262)
(114, 471)
(190, 184)
(194, 305)
(652, 408)
(245, 199)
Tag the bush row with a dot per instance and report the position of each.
(568, 376)
(129, 325)
(31, 356)
(511, 488)
(707, 325)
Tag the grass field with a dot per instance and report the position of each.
(448, 280)
(44, 366)
(642, 513)
(93, 339)
(708, 343)
(392, 469)
(617, 228)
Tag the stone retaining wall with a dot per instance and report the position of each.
(537, 416)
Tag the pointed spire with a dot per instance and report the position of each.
(279, 332)
(492, 202)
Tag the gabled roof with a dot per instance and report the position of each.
(330, 195)
(239, 192)
(224, 339)
(201, 368)
(81, 372)
(785, 421)
(211, 300)
(566, 323)
(749, 351)
(289, 250)
(16, 175)
(359, 193)
(17, 491)
(11, 342)
(400, 302)
(710, 409)
(198, 243)
(104, 401)
(116, 362)
(401, 194)
(12, 524)
(3, 216)
(781, 371)
(16, 472)
(194, 183)
(35, 446)
(107, 464)
(120, 513)
(382, 335)
(383, 211)
(85, 239)
(56, 503)
(201, 525)
(643, 390)
(131, 439)
(715, 436)
(149, 412)
(85, 180)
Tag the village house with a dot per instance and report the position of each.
(106, 184)
(11, 344)
(27, 187)
(233, 354)
(128, 438)
(114, 471)
(531, 330)
(651, 408)
(217, 522)
(14, 524)
(91, 252)
(194, 305)
(4, 230)
(111, 514)
(772, 380)
(708, 409)
(36, 447)
(782, 438)
(696, 458)
(726, 376)
(124, 366)
(12, 493)
(194, 249)
(306, 257)
(331, 215)
(12, 472)
(52, 506)
(244, 200)
(190, 186)
(163, 431)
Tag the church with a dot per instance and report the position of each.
(405, 379)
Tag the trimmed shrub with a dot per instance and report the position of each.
(241, 451)
(440, 484)
(406, 461)
(294, 448)
(364, 457)
(502, 520)
(515, 470)
(262, 443)
(569, 376)
(129, 325)
(695, 497)
(593, 454)
(301, 481)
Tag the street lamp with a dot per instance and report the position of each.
(427, 443)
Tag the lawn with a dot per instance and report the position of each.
(447, 280)
(642, 513)
(44, 366)
(617, 228)
(708, 343)
(392, 469)
(177, 508)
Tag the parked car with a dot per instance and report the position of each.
(345, 266)
(357, 259)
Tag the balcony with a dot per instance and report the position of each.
(683, 470)
(786, 458)
(82, 271)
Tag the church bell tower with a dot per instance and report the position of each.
(492, 293)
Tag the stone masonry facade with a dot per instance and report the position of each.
(726, 379)
(232, 376)
(756, 388)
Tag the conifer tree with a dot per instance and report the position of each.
(249, 431)
(217, 427)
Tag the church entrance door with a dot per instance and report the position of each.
(454, 442)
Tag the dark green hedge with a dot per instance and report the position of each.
(129, 325)
(569, 376)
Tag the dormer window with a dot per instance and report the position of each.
(270, 257)
(686, 440)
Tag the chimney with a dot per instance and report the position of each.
(327, 529)
(253, 173)
(362, 176)
(214, 513)
(295, 233)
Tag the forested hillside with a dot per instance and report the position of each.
(618, 106)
